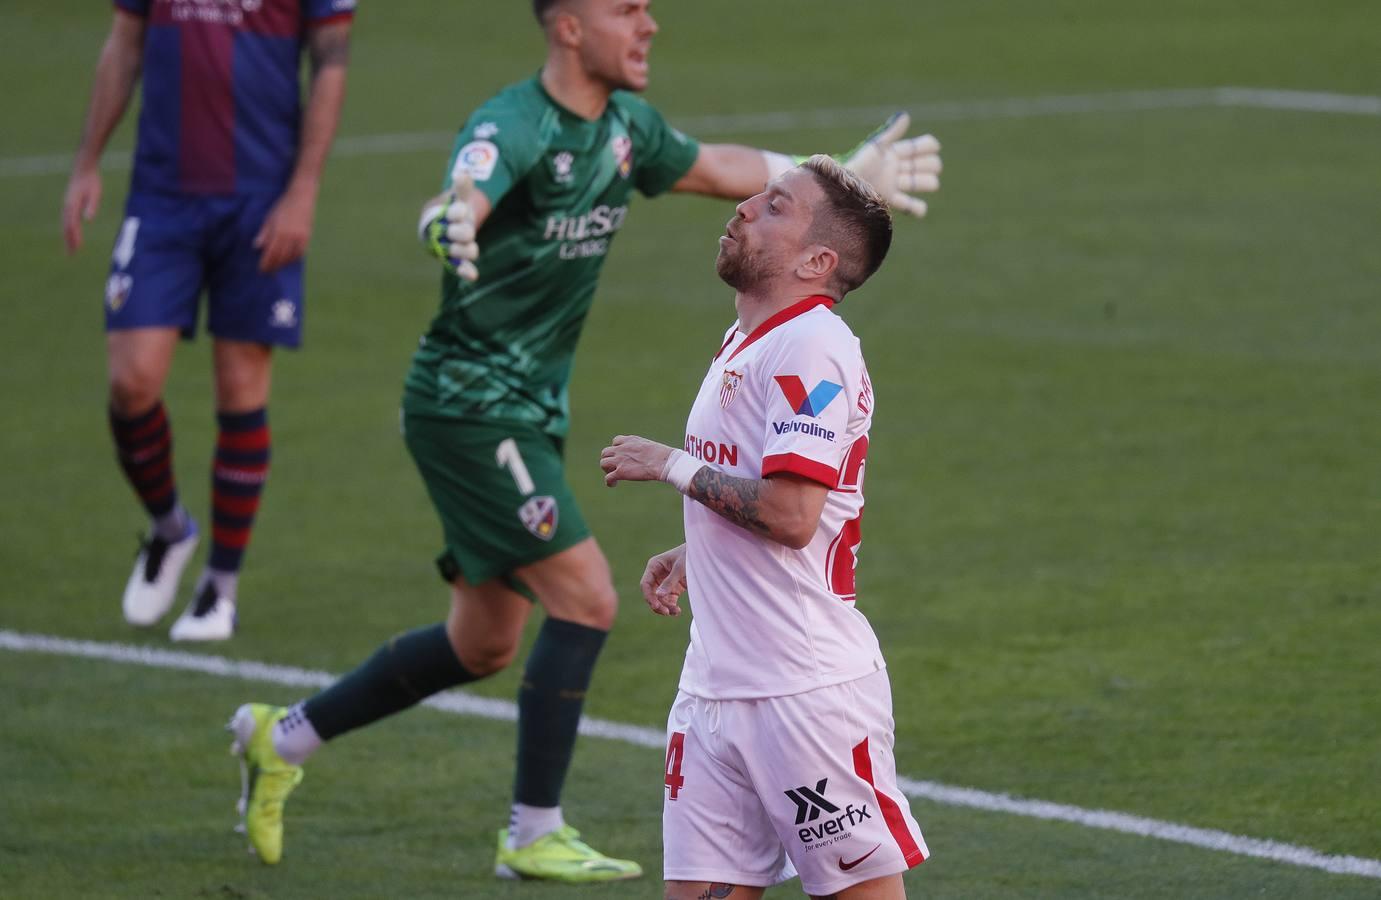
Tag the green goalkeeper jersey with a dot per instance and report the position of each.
(559, 185)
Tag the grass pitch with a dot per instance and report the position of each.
(1121, 538)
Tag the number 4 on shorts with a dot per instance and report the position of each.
(676, 750)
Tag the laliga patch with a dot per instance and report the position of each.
(803, 404)
(117, 288)
(622, 145)
(728, 389)
(538, 516)
(476, 159)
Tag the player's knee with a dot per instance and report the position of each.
(243, 374)
(241, 390)
(134, 389)
(482, 655)
(486, 658)
(596, 607)
(576, 587)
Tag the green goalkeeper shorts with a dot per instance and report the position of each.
(500, 489)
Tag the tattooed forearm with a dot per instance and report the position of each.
(736, 499)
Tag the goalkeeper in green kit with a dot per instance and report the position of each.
(537, 188)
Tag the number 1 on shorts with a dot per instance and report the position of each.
(509, 458)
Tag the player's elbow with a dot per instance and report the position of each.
(797, 533)
(793, 506)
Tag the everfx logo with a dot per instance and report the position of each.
(810, 803)
(804, 404)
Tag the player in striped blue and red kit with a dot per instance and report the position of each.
(226, 172)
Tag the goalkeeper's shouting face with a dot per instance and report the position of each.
(611, 38)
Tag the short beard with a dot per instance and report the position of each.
(743, 271)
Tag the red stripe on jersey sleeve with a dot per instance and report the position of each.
(891, 812)
(800, 465)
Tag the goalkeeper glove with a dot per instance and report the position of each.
(447, 230)
(895, 167)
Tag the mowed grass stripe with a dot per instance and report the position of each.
(793, 120)
(464, 704)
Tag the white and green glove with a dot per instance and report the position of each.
(896, 168)
(447, 230)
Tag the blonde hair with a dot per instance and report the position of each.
(855, 222)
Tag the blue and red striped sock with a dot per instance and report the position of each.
(237, 478)
(144, 446)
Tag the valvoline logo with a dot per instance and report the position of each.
(803, 404)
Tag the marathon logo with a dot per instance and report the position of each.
(711, 451)
(806, 428)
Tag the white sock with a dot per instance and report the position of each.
(528, 823)
(173, 525)
(294, 738)
(226, 582)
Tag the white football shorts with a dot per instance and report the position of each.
(758, 790)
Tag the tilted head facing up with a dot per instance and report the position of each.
(816, 228)
(609, 39)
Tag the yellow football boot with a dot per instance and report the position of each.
(265, 779)
(561, 856)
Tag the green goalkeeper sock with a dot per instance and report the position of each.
(401, 673)
(549, 705)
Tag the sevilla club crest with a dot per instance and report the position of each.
(729, 387)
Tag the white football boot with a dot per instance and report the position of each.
(209, 617)
(152, 585)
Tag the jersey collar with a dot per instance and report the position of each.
(562, 108)
(779, 318)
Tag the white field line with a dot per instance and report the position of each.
(465, 704)
(791, 120)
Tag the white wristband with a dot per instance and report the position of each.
(680, 469)
(777, 163)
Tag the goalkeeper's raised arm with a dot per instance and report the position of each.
(449, 225)
(896, 167)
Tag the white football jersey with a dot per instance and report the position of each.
(767, 620)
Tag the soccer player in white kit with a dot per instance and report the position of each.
(779, 744)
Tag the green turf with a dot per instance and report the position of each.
(1121, 542)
